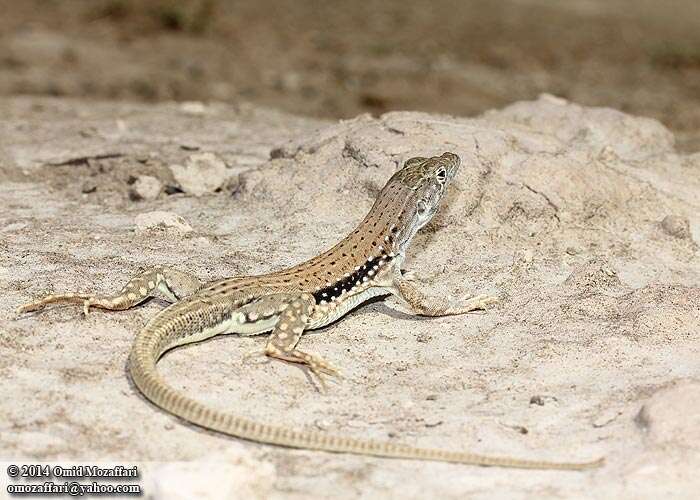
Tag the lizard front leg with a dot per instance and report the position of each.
(426, 305)
(171, 283)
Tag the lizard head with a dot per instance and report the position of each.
(417, 190)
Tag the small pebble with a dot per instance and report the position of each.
(162, 220)
(146, 188)
(537, 400)
(203, 173)
(676, 226)
(193, 108)
(88, 187)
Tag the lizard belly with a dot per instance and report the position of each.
(347, 305)
(235, 324)
(256, 327)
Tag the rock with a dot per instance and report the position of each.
(162, 220)
(235, 474)
(193, 108)
(676, 226)
(626, 319)
(202, 174)
(672, 415)
(89, 186)
(146, 188)
(537, 400)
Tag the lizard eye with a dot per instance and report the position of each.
(441, 175)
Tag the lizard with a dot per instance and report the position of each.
(310, 295)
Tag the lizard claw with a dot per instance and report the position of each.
(323, 370)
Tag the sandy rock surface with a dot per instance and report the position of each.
(584, 221)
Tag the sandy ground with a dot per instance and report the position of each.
(584, 221)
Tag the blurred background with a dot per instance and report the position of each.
(336, 59)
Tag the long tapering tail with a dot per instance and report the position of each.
(151, 343)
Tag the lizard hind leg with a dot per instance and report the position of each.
(170, 283)
(286, 334)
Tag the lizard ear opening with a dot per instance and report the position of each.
(414, 161)
(441, 175)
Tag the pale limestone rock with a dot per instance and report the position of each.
(538, 178)
(147, 187)
(203, 173)
(162, 220)
(676, 226)
(193, 108)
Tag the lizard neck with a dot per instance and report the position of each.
(370, 251)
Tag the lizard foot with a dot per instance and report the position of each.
(318, 367)
(479, 302)
(64, 298)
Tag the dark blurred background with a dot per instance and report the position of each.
(337, 59)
